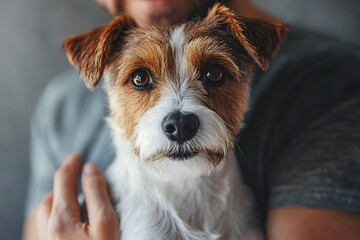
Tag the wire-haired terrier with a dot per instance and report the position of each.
(177, 98)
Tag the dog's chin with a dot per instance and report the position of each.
(181, 156)
(185, 165)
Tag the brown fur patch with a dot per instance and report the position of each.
(215, 157)
(230, 103)
(229, 100)
(204, 51)
(129, 105)
(148, 49)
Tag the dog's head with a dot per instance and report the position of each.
(178, 95)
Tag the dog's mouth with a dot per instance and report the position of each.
(180, 156)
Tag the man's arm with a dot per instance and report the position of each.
(42, 169)
(299, 223)
(314, 177)
(315, 192)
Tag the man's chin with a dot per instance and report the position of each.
(163, 12)
(157, 4)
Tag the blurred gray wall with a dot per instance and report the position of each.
(31, 32)
(338, 18)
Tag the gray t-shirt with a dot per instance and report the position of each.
(300, 145)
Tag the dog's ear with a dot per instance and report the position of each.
(91, 52)
(260, 39)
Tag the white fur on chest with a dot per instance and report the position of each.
(212, 207)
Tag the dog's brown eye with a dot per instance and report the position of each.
(141, 79)
(213, 76)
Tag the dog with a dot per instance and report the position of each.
(177, 98)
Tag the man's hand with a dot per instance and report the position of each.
(58, 215)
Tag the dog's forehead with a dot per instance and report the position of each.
(178, 38)
(174, 39)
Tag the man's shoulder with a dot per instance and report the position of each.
(67, 81)
(310, 70)
(67, 88)
(311, 76)
(67, 93)
(70, 117)
(305, 49)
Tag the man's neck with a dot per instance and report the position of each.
(248, 9)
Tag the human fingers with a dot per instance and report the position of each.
(42, 216)
(103, 220)
(65, 206)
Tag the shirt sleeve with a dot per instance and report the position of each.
(42, 161)
(321, 167)
(315, 142)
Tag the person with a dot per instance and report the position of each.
(299, 147)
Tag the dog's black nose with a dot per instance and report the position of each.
(180, 127)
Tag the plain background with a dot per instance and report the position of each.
(31, 32)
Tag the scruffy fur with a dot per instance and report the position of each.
(159, 198)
